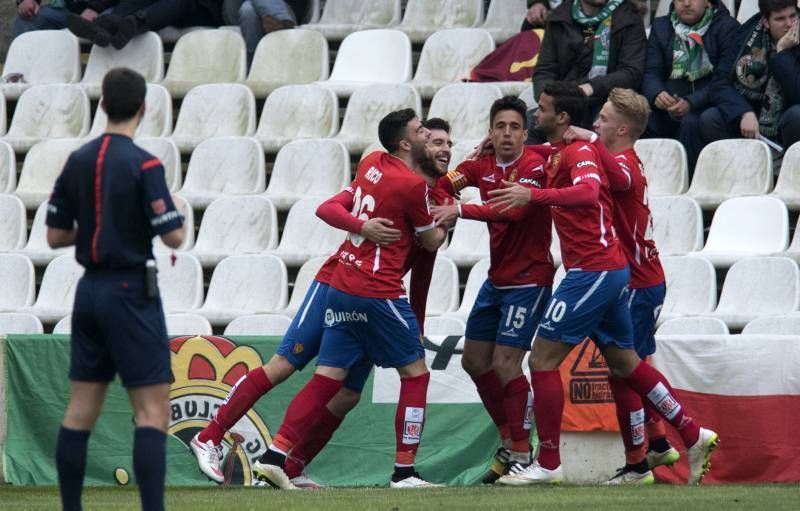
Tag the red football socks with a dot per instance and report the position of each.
(240, 399)
(410, 418)
(304, 409)
(310, 445)
(548, 407)
(653, 424)
(492, 393)
(630, 416)
(516, 405)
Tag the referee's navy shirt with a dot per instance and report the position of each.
(117, 193)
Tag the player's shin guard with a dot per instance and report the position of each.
(150, 466)
(515, 403)
(302, 412)
(312, 443)
(652, 386)
(71, 465)
(240, 399)
(630, 415)
(548, 407)
(492, 393)
(410, 418)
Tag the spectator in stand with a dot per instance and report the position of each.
(537, 13)
(260, 17)
(31, 15)
(599, 44)
(689, 54)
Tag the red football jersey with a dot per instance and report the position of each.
(520, 238)
(587, 237)
(384, 187)
(634, 225)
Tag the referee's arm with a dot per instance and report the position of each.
(165, 221)
(61, 231)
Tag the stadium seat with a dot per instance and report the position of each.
(343, 17)
(444, 325)
(222, 167)
(42, 166)
(157, 120)
(236, 225)
(186, 211)
(558, 276)
(758, 286)
(171, 35)
(787, 188)
(469, 243)
(677, 224)
(19, 282)
(288, 57)
(13, 223)
(555, 248)
(375, 146)
(308, 168)
(367, 57)
(744, 227)
(48, 111)
(794, 247)
(19, 323)
(63, 327)
(424, 17)
(747, 8)
(144, 54)
(259, 324)
(448, 56)
(443, 293)
(731, 168)
(691, 287)
(297, 111)
(504, 18)
(460, 151)
(302, 282)
(305, 236)
(214, 110)
(466, 107)
(187, 324)
(205, 56)
(180, 281)
(245, 284)
(57, 292)
(165, 150)
(693, 326)
(3, 115)
(774, 325)
(37, 249)
(8, 168)
(41, 56)
(476, 278)
(368, 106)
(527, 96)
(665, 166)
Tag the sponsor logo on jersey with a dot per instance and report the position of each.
(412, 426)
(584, 147)
(489, 179)
(585, 163)
(530, 181)
(334, 317)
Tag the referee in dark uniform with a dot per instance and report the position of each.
(116, 194)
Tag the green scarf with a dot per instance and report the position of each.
(753, 80)
(600, 24)
(689, 56)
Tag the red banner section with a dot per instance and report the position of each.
(512, 61)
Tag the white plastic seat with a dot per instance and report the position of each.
(558, 276)
(303, 281)
(693, 326)
(368, 106)
(42, 166)
(787, 188)
(308, 168)
(157, 121)
(343, 17)
(19, 282)
(245, 284)
(758, 286)
(236, 225)
(677, 224)
(63, 327)
(443, 292)
(747, 8)
(57, 292)
(469, 243)
(370, 56)
(731, 168)
(504, 18)
(794, 247)
(375, 146)
(187, 324)
(144, 54)
(460, 151)
(180, 281)
(36, 248)
(41, 56)
(222, 167)
(466, 107)
(19, 323)
(665, 165)
(206, 56)
(297, 111)
(13, 223)
(171, 35)
(3, 115)
(214, 110)
(165, 150)
(477, 276)
(744, 227)
(691, 287)
(305, 235)
(288, 57)
(527, 96)
(444, 325)
(774, 325)
(555, 247)
(448, 56)
(259, 324)
(186, 211)
(424, 17)
(48, 111)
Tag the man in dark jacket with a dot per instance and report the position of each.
(600, 44)
(689, 54)
(31, 15)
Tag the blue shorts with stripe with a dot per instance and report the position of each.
(590, 304)
(302, 340)
(645, 306)
(507, 316)
(382, 331)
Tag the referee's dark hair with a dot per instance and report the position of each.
(123, 94)
(392, 128)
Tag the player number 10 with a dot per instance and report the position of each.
(555, 310)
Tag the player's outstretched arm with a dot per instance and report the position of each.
(619, 178)
(336, 213)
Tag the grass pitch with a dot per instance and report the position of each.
(596, 498)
